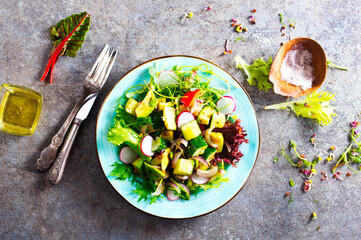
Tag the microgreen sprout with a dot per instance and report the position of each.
(289, 196)
(281, 18)
(330, 64)
(275, 159)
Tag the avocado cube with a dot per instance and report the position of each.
(183, 167)
(191, 130)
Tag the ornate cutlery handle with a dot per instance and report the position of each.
(48, 155)
(57, 169)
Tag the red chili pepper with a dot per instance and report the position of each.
(189, 97)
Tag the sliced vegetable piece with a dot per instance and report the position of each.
(218, 120)
(165, 159)
(128, 155)
(196, 146)
(130, 106)
(189, 98)
(183, 167)
(173, 191)
(207, 173)
(181, 177)
(159, 144)
(226, 105)
(146, 146)
(217, 138)
(139, 166)
(162, 105)
(201, 160)
(172, 195)
(184, 118)
(209, 153)
(146, 106)
(191, 130)
(159, 189)
(198, 179)
(176, 158)
(152, 172)
(205, 115)
(185, 190)
(169, 118)
(167, 77)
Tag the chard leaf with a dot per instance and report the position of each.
(259, 71)
(68, 36)
(73, 30)
(315, 106)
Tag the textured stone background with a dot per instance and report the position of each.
(85, 206)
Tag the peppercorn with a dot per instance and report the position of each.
(348, 174)
(287, 194)
(254, 10)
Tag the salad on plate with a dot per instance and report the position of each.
(176, 134)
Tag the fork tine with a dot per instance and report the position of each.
(98, 61)
(100, 68)
(108, 69)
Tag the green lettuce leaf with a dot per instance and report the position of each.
(259, 71)
(315, 106)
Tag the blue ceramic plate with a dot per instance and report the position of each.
(207, 201)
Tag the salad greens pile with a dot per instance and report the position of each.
(176, 134)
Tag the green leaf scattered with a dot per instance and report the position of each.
(259, 71)
(281, 17)
(315, 106)
(292, 183)
(275, 159)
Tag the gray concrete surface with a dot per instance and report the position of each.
(85, 206)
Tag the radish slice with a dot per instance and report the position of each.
(128, 155)
(207, 173)
(198, 179)
(179, 140)
(202, 160)
(184, 118)
(175, 158)
(146, 146)
(171, 195)
(226, 105)
(181, 177)
(167, 77)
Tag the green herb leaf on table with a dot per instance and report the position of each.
(258, 70)
(292, 183)
(315, 106)
(275, 159)
(68, 36)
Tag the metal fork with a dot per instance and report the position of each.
(92, 84)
